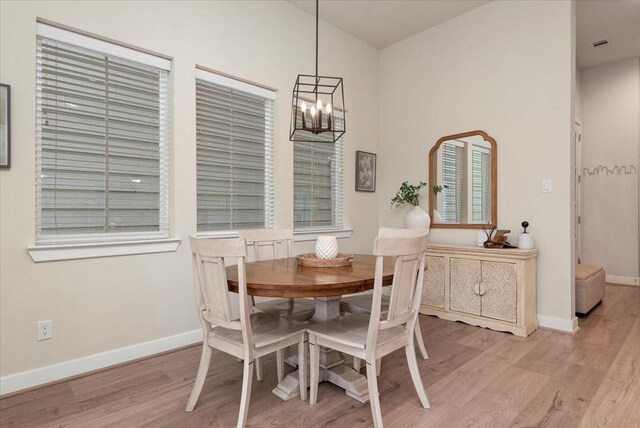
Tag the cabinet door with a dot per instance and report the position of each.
(433, 291)
(498, 289)
(465, 274)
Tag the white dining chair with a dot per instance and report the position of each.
(265, 243)
(361, 303)
(249, 337)
(367, 336)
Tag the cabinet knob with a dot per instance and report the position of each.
(481, 290)
(476, 288)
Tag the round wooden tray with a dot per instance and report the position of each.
(310, 260)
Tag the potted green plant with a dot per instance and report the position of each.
(408, 194)
(417, 218)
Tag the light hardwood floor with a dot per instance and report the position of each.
(474, 377)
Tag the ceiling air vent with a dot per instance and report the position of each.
(600, 43)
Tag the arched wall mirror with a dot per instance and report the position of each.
(463, 186)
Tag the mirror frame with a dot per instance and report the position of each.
(494, 182)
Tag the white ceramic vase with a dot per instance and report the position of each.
(525, 241)
(326, 247)
(417, 218)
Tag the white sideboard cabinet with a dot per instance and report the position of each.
(492, 288)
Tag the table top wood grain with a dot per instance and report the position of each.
(284, 278)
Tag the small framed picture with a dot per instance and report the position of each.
(365, 172)
(5, 126)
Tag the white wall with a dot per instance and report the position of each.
(102, 304)
(610, 137)
(505, 68)
(578, 98)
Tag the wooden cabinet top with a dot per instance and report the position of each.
(511, 253)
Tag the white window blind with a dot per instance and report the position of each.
(481, 184)
(234, 122)
(317, 184)
(453, 167)
(102, 140)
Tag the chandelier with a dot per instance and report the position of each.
(317, 109)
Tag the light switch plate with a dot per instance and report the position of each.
(547, 185)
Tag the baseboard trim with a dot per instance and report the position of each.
(559, 324)
(622, 280)
(55, 372)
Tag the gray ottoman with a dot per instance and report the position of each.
(589, 287)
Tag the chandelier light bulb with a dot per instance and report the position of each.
(313, 111)
(303, 107)
(319, 105)
(328, 108)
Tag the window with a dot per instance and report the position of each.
(480, 187)
(466, 179)
(317, 184)
(234, 126)
(453, 179)
(102, 140)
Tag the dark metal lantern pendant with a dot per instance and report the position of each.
(317, 108)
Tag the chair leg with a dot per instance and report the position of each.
(356, 364)
(280, 364)
(374, 398)
(205, 359)
(420, 341)
(302, 368)
(378, 366)
(314, 367)
(412, 362)
(247, 378)
(259, 369)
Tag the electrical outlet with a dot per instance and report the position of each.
(45, 330)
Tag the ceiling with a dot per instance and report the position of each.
(616, 21)
(382, 23)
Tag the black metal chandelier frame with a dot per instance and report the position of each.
(306, 128)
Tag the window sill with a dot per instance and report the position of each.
(300, 235)
(219, 234)
(312, 234)
(50, 253)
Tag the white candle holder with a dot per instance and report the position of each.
(326, 247)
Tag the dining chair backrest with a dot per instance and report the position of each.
(389, 232)
(265, 242)
(406, 286)
(212, 292)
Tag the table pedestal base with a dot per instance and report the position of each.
(354, 384)
(332, 367)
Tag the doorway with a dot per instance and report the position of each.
(577, 141)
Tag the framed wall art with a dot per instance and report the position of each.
(365, 172)
(5, 126)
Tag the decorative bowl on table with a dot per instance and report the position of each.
(311, 260)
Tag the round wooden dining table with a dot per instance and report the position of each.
(284, 278)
